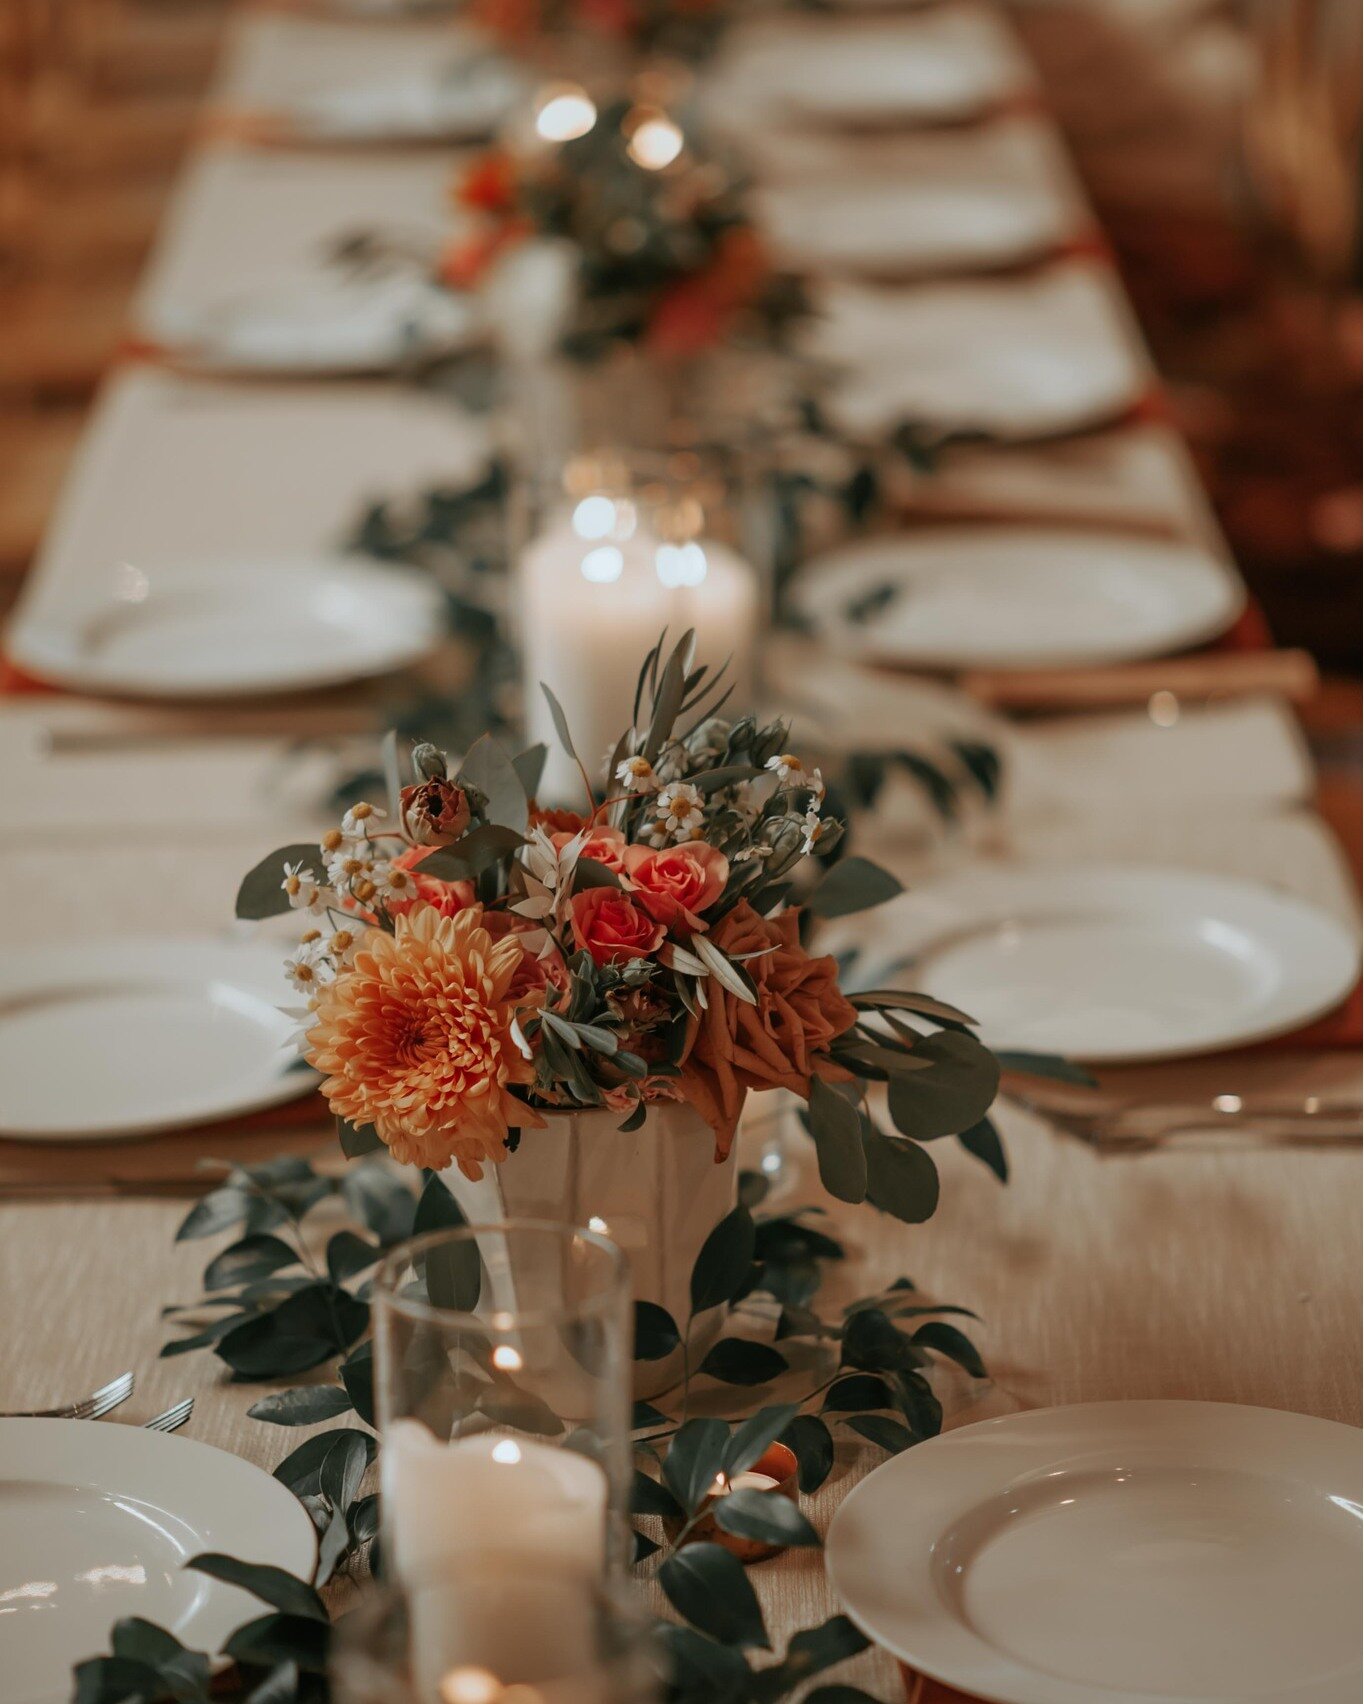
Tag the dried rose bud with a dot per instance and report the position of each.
(429, 761)
(434, 813)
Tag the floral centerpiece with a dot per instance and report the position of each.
(662, 248)
(476, 968)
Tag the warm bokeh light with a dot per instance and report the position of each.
(655, 144)
(681, 564)
(603, 565)
(565, 113)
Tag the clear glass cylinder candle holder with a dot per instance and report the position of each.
(502, 1387)
(496, 1634)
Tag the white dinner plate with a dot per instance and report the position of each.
(1020, 358)
(97, 1522)
(237, 628)
(166, 1033)
(1116, 1553)
(914, 225)
(956, 597)
(335, 325)
(465, 100)
(1112, 963)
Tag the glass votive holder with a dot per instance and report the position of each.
(474, 1633)
(502, 1385)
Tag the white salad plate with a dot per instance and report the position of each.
(1116, 1553)
(955, 597)
(233, 628)
(97, 1522)
(171, 1033)
(1111, 963)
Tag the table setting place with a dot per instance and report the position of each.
(678, 1026)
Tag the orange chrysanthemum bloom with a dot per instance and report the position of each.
(415, 1038)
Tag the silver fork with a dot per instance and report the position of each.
(1116, 1126)
(93, 1407)
(173, 1418)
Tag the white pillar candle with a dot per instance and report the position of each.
(596, 591)
(491, 1493)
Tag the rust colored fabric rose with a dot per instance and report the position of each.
(605, 844)
(782, 1042)
(433, 813)
(608, 924)
(677, 884)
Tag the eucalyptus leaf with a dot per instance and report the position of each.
(648, 1497)
(475, 852)
(901, 1177)
(261, 893)
(280, 1686)
(357, 1375)
(703, 1671)
(837, 1130)
(380, 1201)
(343, 1467)
(763, 1516)
(218, 1211)
(982, 1140)
(853, 884)
(117, 1680)
(490, 769)
(724, 1260)
(357, 1140)
(708, 1587)
(951, 1097)
(656, 1333)
(741, 1361)
(561, 728)
(755, 1436)
(301, 1469)
(306, 1329)
(530, 766)
(348, 1254)
(1048, 1065)
(591, 873)
(302, 1407)
(276, 1586)
(937, 1334)
(813, 1444)
(858, 1390)
(809, 1653)
(890, 1434)
(695, 1460)
(247, 1260)
(278, 1639)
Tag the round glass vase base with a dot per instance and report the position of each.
(657, 1192)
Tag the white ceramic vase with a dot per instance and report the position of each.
(657, 1191)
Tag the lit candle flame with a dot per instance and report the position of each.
(507, 1359)
(507, 1452)
(655, 144)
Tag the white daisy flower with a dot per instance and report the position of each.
(307, 968)
(815, 826)
(678, 813)
(347, 866)
(360, 820)
(302, 887)
(637, 775)
(392, 881)
(761, 850)
(342, 945)
(788, 769)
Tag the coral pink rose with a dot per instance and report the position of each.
(608, 924)
(535, 975)
(604, 844)
(447, 897)
(677, 884)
